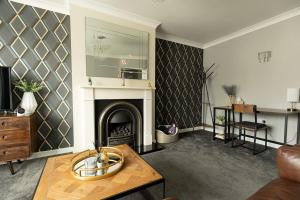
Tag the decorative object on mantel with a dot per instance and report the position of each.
(292, 97)
(230, 90)
(150, 85)
(167, 133)
(28, 100)
(90, 81)
(97, 164)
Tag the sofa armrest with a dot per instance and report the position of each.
(288, 162)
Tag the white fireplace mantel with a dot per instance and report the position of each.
(85, 138)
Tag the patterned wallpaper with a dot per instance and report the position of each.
(178, 95)
(36, 44)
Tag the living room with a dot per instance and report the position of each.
(151, 99)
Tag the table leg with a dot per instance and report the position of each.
(228, 124)
(11, 167)
(164, 189)
(225, 126)
(286, 118)
(240, 130)
(298, 129)
(214, 124)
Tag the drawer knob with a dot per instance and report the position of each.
(4, 152)
(4, 137)
(2, 123)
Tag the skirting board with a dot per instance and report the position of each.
(185, 130)
(43, 154)
(55, 152)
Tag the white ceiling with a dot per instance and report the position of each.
(203, 21)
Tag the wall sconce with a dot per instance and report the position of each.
(264, 56)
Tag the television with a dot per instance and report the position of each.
(5, 89)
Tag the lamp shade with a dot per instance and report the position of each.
(292, 95)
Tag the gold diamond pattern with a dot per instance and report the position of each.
(19, 47)
(20, 69)
(178, 92)
(41, 58)
(40, 29)
(41, 50)
(17, 25)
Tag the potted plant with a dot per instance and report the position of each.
(230, 90)
(221, 119)
(28, 100)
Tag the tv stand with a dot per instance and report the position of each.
(17, 138)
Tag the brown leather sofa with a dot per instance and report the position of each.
(287, 186)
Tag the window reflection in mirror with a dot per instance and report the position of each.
(114, 51)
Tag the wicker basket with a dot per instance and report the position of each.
(162, 137)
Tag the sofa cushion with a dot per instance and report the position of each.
(278, 189)
(288, 162)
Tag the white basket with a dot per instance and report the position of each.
(162, 137)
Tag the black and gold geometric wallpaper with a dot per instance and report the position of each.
(36, 44)
(178, 95)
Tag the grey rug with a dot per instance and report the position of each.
(194, 167)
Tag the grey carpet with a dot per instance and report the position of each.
(194, 167)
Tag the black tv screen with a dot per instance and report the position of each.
(5, 89)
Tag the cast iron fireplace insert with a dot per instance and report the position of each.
(120, 122)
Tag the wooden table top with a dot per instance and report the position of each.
(57, 183)
(265, 110)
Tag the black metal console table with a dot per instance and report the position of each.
(272, 111)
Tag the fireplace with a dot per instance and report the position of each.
(119, 122)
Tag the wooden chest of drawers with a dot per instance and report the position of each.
(17, 137)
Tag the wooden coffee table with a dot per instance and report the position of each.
(57, 183)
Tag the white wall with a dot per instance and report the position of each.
(261, 84)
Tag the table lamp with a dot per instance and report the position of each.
(292, 97)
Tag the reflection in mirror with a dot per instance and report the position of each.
(115, 51)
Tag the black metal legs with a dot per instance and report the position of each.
(254, 142)
(298, 128)
(242, 143)
(266, 140)
(286, 118)
(239, 138)
(11, 167)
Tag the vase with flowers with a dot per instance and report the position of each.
(28, 102)
(230, 90)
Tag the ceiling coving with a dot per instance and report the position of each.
(204, 21)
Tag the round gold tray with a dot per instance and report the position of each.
(91, 165)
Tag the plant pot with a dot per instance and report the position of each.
(220, 122)
(28, 103)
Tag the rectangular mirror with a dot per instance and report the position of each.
(115, 51)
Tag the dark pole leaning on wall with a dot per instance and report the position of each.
(205, 76)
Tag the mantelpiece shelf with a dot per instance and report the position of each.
(116, 87)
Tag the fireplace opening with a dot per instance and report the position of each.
(119, 122)
(119, 128)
